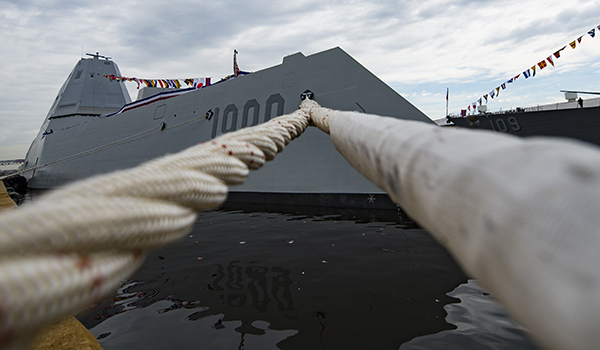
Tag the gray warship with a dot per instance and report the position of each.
(93, 127)
(577, 120)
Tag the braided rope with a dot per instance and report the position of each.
(72, 247)
(518, 214)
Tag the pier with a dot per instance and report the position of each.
(5, 201)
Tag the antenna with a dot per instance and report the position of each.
(97, 55)
(581, 92)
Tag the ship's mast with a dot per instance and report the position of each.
(98, 56)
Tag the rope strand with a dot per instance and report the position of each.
(73, 246)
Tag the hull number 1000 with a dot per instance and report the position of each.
(251, 114)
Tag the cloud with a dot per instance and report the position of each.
(471, 45)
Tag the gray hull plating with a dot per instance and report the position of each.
(98, 143)
(576, 123)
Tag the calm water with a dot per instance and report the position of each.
(258, 280)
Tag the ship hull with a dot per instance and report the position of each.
(581, 124)
(82, 146)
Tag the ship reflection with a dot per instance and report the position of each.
(357, 215)
(245, 279)
(142, 310)
(264, 289)
(142, 329)
(481, 324)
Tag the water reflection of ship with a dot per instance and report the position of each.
(137, 329)
(380, 285)
(125, 299)
(358, 215)
(262, 288)
(482, 323)
(235, 286)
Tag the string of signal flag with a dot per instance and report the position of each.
(530, 72)
(178, 83)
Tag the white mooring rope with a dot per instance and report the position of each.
(520, 215)
(73, 246)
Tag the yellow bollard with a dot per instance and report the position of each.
(66, 334)
(5, 201)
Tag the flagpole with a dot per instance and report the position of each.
(447, 91)
(236, 70)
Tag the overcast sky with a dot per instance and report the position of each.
(420, 48)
